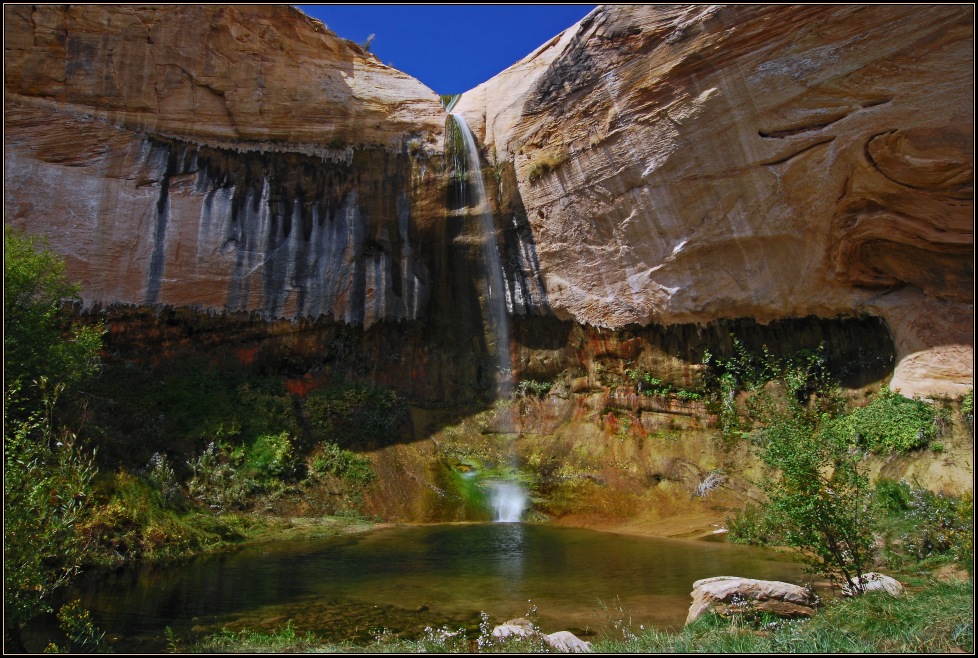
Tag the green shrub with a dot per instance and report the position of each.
(331, 459)
(130, 519)
(940, 525)
(893, 423)
(753, 526)
(218, 480)
(892, 496)
(81, 633)
(271, 456)
(968, 407)
(648, 385)
(818, 495)
(47, 471)
(532, 387)
(46, 482)
(40, 343)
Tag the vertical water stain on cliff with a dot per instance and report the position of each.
(525, 290)
(295, 235)
(157, 260)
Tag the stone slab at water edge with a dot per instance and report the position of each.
(561, 641)
(729, 595)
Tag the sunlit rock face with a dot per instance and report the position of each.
(224, 158)
(238, 73)
(688, 163)
(651, 165)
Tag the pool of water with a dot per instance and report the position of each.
(406, 578)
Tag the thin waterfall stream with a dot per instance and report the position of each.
(495, 305)
(508, 499)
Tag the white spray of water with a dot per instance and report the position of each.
(508, 501)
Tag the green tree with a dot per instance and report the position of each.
(39, 340)
(46, 471)
(45, 483)
(818, 493)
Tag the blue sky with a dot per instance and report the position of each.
(450, 48)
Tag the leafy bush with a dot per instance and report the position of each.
(925, 524)
(81, 633)
(818, 494)
(272, 456)
(39, 340)
(334, 460)
(803, 375)
(648, 385)
(161, 475)
(528, 387)
(47, 472)
(753, 526)
(46, 481)
(892, 496)
(217, 479)
(893, 423)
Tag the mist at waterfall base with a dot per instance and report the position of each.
(507, 500)
(404, 579)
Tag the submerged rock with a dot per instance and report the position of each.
(729, 595)
(515, 628)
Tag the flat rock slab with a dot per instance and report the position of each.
(730, 595)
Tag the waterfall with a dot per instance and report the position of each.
(508, 501)
(507, 498)
(495, 303)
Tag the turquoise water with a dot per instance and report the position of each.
(406, 578)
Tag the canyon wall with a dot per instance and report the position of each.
(650, 166)
(689, 163)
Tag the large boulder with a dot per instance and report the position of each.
(729, 595)
(872, 581)
(561, 641)
(567, 642)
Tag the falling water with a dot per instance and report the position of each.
(496, 314)
(508, 501)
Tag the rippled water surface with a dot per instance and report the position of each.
(406, 578)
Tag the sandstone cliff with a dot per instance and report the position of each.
(688, 163)
(225, 158)
(651, 165)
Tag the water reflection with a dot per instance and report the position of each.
(410, 577)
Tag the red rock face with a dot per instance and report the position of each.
(656, 165)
